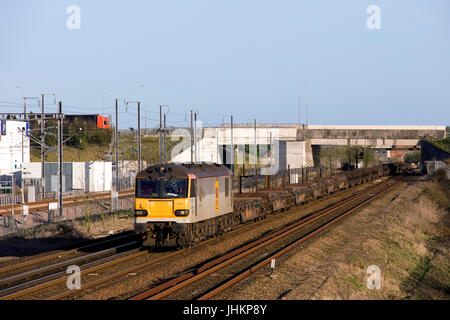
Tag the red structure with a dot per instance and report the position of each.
(92, 120)
(103, 122)
(398, 152)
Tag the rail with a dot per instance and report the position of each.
(181, 281)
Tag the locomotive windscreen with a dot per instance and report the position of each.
(161, 188)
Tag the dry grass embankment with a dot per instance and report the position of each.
(406, 233)
(93, 152)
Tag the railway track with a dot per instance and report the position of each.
(41, 277)
(45, 283)
(187, 284)
(139, 267)
(58, 278)
(93, 246)
(21, 277)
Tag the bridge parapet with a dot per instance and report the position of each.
(369, 133)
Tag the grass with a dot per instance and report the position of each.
(356, 283)
(417, 277)
(407, 237)
(439, 191)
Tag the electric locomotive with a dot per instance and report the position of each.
(178, 204)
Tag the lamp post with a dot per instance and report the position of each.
(255, 147)
(304, 85)
(24, 132)
(145, 109)
(116, 141)
(192, 140)
(139, 132)
(307, 106)
(160, 131)
(232, 144)
(43, 140)
(103, 99)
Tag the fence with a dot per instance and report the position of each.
(125, 182)
(18, 223)
(8, 199)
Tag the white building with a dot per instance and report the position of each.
(292, 143)
(213, 145)
(14, 145)
(92, 176)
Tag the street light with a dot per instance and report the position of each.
(139, 132)
(160, 130)
(43, 139)
(116, 142)
(23, 131)
(304, 85)
(145, 108)
(103, 99)
(232, 142)
(255, 157)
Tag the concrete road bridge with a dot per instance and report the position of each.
(296, 141)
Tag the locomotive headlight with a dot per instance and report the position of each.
(140, 213)
(182, 213)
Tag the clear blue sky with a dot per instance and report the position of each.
(246, 58)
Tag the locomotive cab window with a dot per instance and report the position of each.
(161, 188)
(193, 188)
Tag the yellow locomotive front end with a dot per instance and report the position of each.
(180, 204)
(161, 206)
(161, 199)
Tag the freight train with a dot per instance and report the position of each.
(180, 204)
